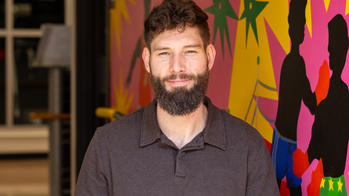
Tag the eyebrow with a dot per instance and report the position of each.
(193, 46)
(161, 48)
(186, 46)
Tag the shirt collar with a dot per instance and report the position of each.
(150, 130)
(214, 132)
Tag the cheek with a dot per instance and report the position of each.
(198, 64)
(158, 66)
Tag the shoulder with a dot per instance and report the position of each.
(240, 134)
(124, 129)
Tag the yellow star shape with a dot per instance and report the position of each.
(123, 99)
(331, 184)
(340, 185)
(322, 183)
(116, 14)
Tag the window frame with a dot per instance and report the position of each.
(9, 33)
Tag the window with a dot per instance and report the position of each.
(24, 87)
(31, 88)
(33, 13)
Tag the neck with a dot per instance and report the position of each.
(182, 129)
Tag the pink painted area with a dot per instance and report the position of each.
(277, 53)
(268, 107)
(113, 68)
(306, 178)
(314, 51)
(120, 64)
(220, 75)
(305, 123)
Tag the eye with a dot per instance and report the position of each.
(163, 53)
(190, 52)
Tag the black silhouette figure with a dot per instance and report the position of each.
(330, 132)
(294, 87)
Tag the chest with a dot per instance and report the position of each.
(162, 170)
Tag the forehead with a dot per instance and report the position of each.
(175, 38)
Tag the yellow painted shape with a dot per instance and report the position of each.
(340, 185)
(116, 14)
(309, 18)
(263, 125)
(123, 100)
(331, 185)
(276, 14)
(347, 7)
(245, 72)
(255, 119)
(322, 185)
(327, 4)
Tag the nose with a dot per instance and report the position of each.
(177, 64)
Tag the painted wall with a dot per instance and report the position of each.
(253, 42)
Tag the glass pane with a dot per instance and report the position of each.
(2, 80)
(31, 86)
(2, 13)
(33, 13)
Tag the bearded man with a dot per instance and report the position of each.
(180, 144)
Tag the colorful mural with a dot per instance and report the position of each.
(281, 66)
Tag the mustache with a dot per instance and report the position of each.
(179, 76)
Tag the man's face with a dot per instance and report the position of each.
(179, 66)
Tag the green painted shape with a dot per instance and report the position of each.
(221, 9)
(325, 191)
(138, 49)
(251, 11)
(146, 8)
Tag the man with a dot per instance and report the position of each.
(180, 144)
(293, 89)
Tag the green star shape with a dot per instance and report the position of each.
(252, 9)
(222, 9)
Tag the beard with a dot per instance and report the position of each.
(180, 100)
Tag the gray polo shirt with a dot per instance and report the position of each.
(132, 157)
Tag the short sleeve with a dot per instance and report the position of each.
(93, 177)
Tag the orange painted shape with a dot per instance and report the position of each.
(323, 84)
(313, 188)
(300, 162)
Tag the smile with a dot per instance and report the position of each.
(178, 82)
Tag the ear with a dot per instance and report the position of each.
(211, 55)
(146, 58)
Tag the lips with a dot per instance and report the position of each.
(178, 82)
(178, 79)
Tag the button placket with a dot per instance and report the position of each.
(180, 167)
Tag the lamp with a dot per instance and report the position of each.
(54, 46)
(54, 53)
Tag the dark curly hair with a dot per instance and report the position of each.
(176, 14)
